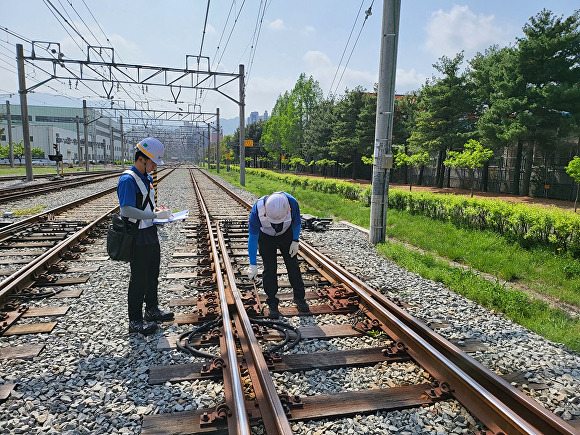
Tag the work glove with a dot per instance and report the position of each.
(252, 271)
(163, 214)
(293, 248)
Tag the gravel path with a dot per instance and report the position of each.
(91, 377)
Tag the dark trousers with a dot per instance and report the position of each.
(267, 245)
(143, 282)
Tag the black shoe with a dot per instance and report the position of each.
(142, 327)
(302, 305)
(273, 312)
(156, 315)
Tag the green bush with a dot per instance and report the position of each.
(529, 226)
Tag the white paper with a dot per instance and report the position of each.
(178, 216)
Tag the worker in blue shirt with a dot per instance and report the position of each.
(137, 202)
(275, 224)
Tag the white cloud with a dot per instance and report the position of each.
(317, 59)
(448, 33)
(277, 24)
(408, 80)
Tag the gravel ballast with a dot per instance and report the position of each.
(91, 376)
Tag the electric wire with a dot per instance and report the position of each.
(367, 15)
(345, 47)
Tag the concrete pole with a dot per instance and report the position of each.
(242, 128)
(10, 145)
(112, 145)
(217, 148)
(383, 158)
(79, 149)
(122, 143)
(86, 134)
(24, 111)
(208, 145)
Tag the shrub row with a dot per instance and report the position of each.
(527, 225)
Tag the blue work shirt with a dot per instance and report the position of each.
(127, 191)
(254, 226)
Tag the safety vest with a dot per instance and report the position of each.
(143, 223)
(266, 222)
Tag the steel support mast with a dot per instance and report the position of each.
(382, 156)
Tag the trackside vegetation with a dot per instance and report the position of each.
(425, 239)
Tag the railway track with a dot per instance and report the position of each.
(451, 373)
(245, 375)
(17, 192)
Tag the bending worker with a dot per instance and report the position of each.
(137, 201)
(275, 224)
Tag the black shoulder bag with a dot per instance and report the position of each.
(121, 236)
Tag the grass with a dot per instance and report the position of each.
(540, 269)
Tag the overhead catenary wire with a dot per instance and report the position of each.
(367, 15)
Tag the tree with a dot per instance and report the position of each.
(502, 116)
(549, 59)
(473, 156)
(290, 116)
(37, 153)
(345, 141)
(18, 150)
(442, 121)
(403, 123)
(318, 131)
(573, 170)
(415, 160)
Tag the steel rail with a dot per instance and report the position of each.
(12, 228)
(238, 421)
(23, 277)
(26, 275)
(273, 414)
(505, 409)
(10, 194)
(499, 405)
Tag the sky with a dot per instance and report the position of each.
(275, 40)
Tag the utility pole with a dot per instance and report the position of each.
(86, 134)
(112, 144)
(208, 146)
(122, 143)
(79, 149)
(242, 129)
(217, 148)
(10, 146)
(24, 111)
(383, 158)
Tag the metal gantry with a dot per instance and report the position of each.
(111, 74)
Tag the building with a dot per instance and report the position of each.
(57, 126)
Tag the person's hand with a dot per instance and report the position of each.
(252, 271)
(163, 214)
(293, 248)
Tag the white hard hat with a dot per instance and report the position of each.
(152, 148)
(277, 207)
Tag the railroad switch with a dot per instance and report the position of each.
(215, 367)
(439, 391)
(220, 414)
(68, 255)
(44, 278)
(57, 268)
(337, 292)
(290, 402)
(395, 349)
(78, 248)
(211, 336)
(207, 306)
(367, 325)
